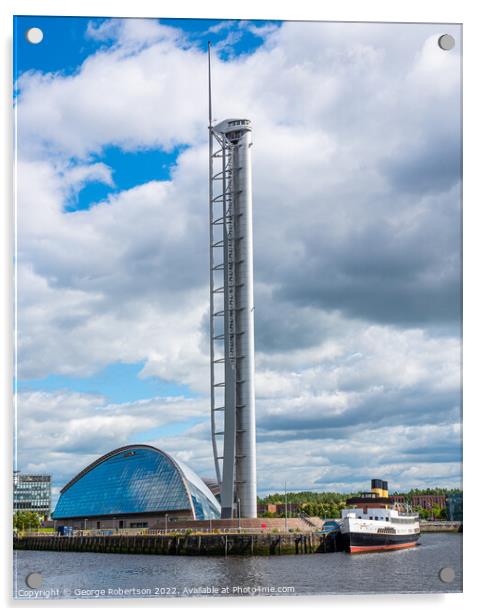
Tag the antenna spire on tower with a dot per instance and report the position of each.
(209, 86)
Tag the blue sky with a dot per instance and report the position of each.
(117, 382)
(128, 170)
(358, 301)
(68, 34)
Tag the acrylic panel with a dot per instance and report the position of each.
(238, 308)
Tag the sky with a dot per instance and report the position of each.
(357, 245)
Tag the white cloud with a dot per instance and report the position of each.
(80, 175)
(127, 100)
(130, 33)
(103, 285)
(437, 73)
(63, 431)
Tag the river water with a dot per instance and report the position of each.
(85, 575)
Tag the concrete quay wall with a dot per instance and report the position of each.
(440, 526)
(184, 545)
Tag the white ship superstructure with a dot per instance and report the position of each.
(374, 523)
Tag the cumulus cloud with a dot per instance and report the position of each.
(332, 464)
(132, 33)
(357, 240)
(101, 285)
(61, 432)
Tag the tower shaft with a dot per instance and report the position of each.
(232, 319)
(245, 399)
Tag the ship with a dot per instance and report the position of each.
(374, 522)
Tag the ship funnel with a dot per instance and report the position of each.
(380, 488)
(385, 488)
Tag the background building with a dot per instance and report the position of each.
(455, 508)
(32, 493)
(279, 509)
(428, 501)
(133, 487)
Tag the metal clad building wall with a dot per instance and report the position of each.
(246, 426)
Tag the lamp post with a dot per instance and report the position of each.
(165, 523)
(325, 511)
(239, 514)
(286, 509)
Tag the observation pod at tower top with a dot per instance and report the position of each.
(231, 125)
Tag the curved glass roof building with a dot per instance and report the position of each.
(136, 481)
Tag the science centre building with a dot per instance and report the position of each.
(136, 486)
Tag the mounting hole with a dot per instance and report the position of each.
(34, 580)
(446, 42)
(34, 35)
(447, 575)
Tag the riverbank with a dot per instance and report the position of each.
(199, 544)
(440, 526)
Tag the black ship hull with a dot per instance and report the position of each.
(374, 542)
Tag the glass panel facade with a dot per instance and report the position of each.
(135, 480)
(455, 509)
(32, 493)
(205, 504)
(203, 507)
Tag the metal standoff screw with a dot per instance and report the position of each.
(34, 36)
(34, 580)
(447, 575)
(446, 42)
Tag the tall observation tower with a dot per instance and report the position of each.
(233, 423)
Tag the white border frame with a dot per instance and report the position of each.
(342, 10)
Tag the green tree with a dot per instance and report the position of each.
(424, 514)
(438, 513)
(24, 520)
